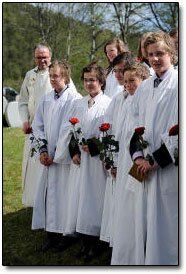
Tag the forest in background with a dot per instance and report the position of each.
(76, 32)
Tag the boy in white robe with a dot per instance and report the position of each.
(147, 223)
(115, 115)
(88, 179)
(49, 212)
(118, 115)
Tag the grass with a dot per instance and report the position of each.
(21, 245)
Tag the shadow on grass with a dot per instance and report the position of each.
(21, 245)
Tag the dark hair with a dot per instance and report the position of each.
(42, 46)
(160, 36)
(127, 58)
(173, 32)
(64, 69)
(99, 72)
(120, 46)
(141, 71)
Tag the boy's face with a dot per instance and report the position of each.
(131, 82)
(92, 84)
(118, 70)
(159, 58)
(56, 79)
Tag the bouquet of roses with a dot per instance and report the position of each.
(36, 144)
(107, 146)
(75, 132)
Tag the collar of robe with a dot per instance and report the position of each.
(58, 94)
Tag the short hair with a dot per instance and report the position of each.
(42, 46)
(173, 32)
(64, 69)
(139, 52)
(99, 72)
(141, 71)
(161, 36)
(127, 58)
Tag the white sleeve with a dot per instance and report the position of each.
(23, 100)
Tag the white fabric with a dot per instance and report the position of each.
(115, 115)
(35, 84)
(49, 210)
(151, 70)
(112, 86)
(147, 213)
(87, 182)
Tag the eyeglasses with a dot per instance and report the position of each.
(91, 80)
(41, 58)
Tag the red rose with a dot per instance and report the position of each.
(139, 130)
(173, 130)
(73, 121)
(104, 127)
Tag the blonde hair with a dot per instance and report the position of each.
(141, 71)
(64, 69)
(161, 36)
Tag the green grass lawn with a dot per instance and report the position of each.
(21, 245)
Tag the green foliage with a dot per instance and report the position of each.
(26, 24)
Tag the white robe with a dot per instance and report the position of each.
(87, 182)
(115, 115)
(49, 210)
(35, 84)
(112, 86)
(147, 213)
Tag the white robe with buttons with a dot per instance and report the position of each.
(87, 182)
(146, 222)
(50, 209)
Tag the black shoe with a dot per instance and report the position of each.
(48, 245)
(64, 243)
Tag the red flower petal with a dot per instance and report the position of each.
(104, 127)
(173, 130)
(73, 121)
(139, 130)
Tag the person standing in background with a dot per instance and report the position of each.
(112, 49)
(35, 84)
(174, 37)
(141, 55)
